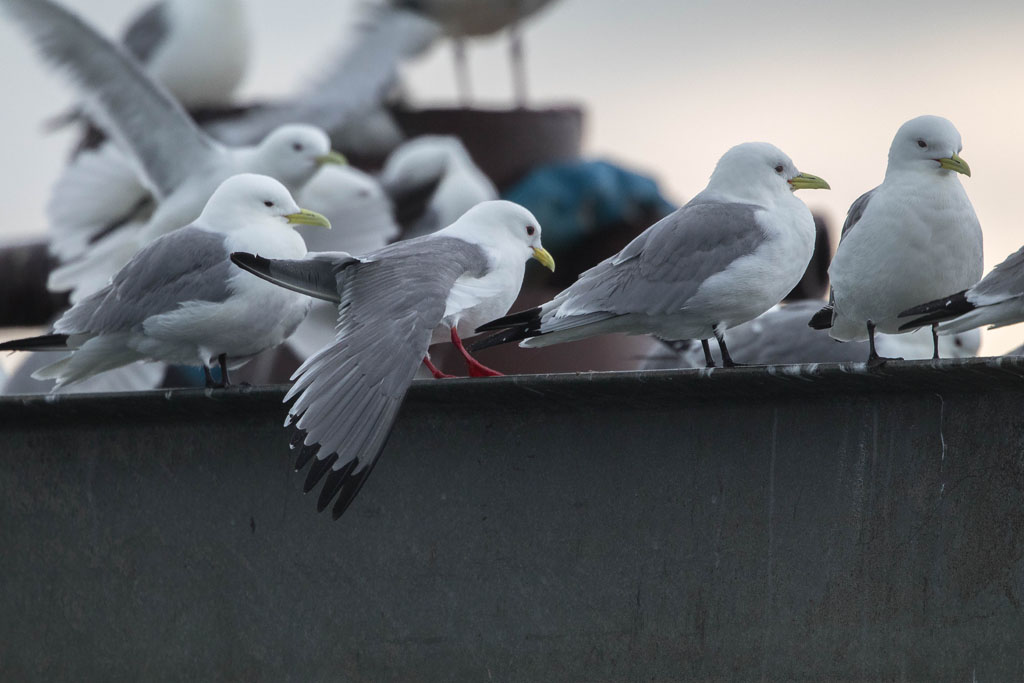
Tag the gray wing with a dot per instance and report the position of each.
(358, 80)
(142, 117)
(663, 268)
(147, 32)
(348, 394)
(1006, 281)
(857, 209)
(189, 264)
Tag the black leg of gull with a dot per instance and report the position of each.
(210, 384)
(935, 341)
(222, 359)
(874, 360)
(727, 360)
(709, 360)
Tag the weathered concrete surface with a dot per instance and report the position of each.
(815, 524)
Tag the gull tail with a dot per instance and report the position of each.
(46, 342)
(822, 320)
(316, 277)
(514, 327)
(939, 310)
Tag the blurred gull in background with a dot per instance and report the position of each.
(432, 181)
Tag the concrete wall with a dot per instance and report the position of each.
(754, 524)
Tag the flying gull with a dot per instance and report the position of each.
(912, 239)
(392, 304)
(179, 300)
(997, 300)
(734, 251)
(179, 164)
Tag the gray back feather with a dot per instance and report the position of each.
(190, 264)
(129, 106)
(660, 270)
(857, 209)
(147, 33)
(349, 392)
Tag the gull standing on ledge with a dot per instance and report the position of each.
(392, 304)
(178, 163)
(913, 238)
(179, 300)
(734, 251)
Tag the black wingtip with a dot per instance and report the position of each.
(46, 342)
(503, 337)
(822, 320)
(250, 262)
(317, 472)
(937, 311)
(514, 327)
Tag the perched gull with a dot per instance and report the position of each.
(911, 239)
(781, 336)
(197, 49)
(734, 251)
(392, 304)
(997, 300)
(179, 164)
(179, 300)
(432, 181)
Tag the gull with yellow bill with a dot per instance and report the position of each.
(179, 300)
(912, 239)
(393, 303)
(731, 253)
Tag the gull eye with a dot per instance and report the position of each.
(922, 144)
(530, 230)
(297, 146)
(778, 169)
(268, 204)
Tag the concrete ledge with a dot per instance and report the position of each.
(767, 523)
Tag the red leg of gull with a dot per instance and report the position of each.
(476, 369)
(435, 370)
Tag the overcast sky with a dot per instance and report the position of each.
(668, 86)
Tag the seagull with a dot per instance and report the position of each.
(178, 164)
(180, 301)
(731, 253)
(913, 238)
(996, 301)
(392, 304)
(781, 336)
(197, 49)
(432, 180)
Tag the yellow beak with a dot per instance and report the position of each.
(806, 181)
(332, 157)
(955, 163)
(546, 260)
(307, 217)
